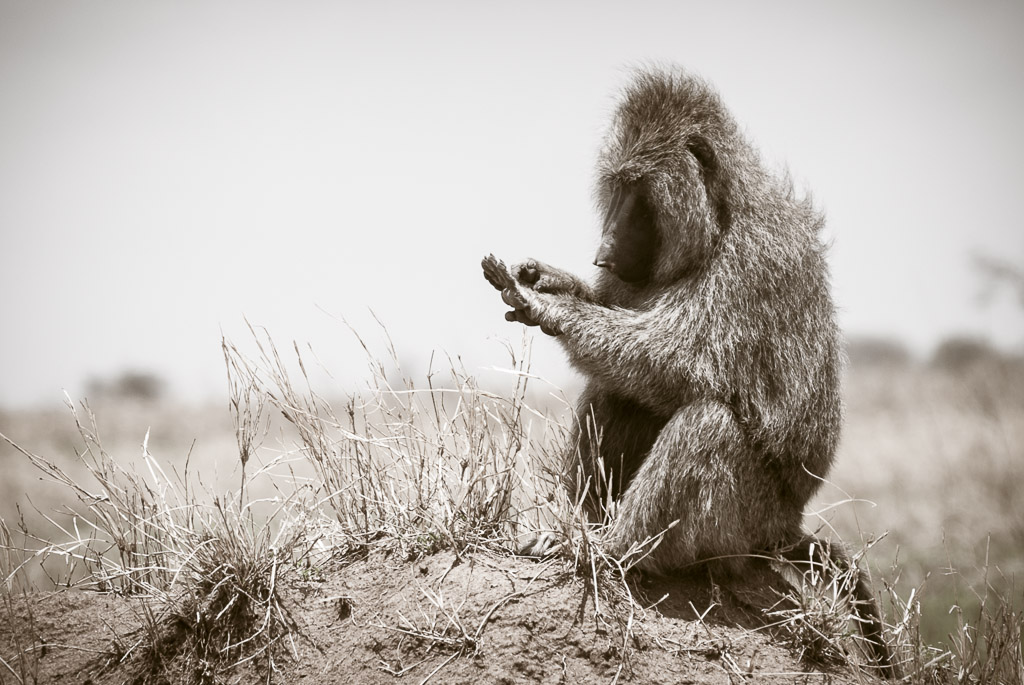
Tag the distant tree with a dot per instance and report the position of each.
(872, 351)
(129, 385)
(959, 353)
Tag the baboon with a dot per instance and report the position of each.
(708, 342)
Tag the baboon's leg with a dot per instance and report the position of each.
(613, 436)
(700, 472)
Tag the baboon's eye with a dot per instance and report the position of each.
(705, 156)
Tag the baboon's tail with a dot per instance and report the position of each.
(823, 555)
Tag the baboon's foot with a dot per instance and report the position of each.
(544, 545)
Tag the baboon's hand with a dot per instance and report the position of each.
(512, 294)
(497, 273)
(545, 279)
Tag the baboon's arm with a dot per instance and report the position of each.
(656, 357)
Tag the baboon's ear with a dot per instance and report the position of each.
(714, 182)
(629, 240)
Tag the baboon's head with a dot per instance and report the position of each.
(663, 179)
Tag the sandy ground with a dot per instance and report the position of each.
(482, 619)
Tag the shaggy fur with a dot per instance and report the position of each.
(708, 342)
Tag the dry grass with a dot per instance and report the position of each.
(941, 452)
(408, 469)
(404, 468)
(22, 657)
(820, 620)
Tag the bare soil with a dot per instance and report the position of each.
(481, 618)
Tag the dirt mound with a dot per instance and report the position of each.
(481, 618)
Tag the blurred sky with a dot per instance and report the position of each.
(167, 169)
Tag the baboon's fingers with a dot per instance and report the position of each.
(497, 273)
(520, 316)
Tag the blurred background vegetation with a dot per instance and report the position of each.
(931, 462)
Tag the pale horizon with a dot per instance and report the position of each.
(169, 171)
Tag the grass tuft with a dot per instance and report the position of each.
(405, 469)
